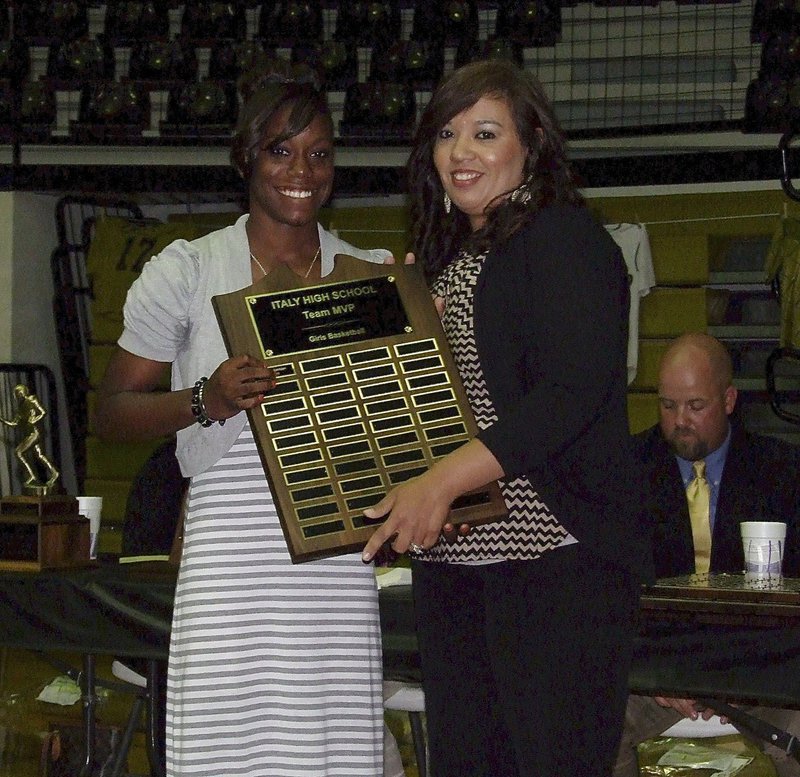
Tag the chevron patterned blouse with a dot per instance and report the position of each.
(530, 529)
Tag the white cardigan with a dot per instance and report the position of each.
(169, 318)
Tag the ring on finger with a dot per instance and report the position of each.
(415, 549)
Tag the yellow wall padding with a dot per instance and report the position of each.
(642, 410)
(380, 226)
(669, 312)
(650, 353)
(116, 461)
(118, 251)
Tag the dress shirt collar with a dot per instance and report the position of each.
(715, 463)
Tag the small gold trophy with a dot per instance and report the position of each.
(40, 474)
(41, 527)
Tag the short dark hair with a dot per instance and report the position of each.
(265, 92)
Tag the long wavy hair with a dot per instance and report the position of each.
(436, 236)
(265, 91)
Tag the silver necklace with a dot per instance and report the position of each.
(308, 271)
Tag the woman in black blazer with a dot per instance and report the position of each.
(525, 625)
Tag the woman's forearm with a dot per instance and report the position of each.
(142, 415)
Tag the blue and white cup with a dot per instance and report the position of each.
(762, 542)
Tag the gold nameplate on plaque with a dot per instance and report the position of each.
(368, 396)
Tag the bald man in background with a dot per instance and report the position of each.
(751, 478)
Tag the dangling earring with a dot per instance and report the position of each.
(522, 194)
(447, 203)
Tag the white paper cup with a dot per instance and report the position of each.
(762, 542)
(91, 507)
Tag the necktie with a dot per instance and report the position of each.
(698, 495)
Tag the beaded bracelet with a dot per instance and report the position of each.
(198, 406)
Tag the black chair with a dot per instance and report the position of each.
(15, 59)
(37, 111)
(111, 111)
(75, 217)
(335, 62)
(531, 22)
(38, 379)
(74, 62)
(783, 383)
(769, 103)
(153, 527)
(494, 47)
(368, 24)
(8, 111)
(163, 62)
(47, 20)
(449, 23)
(376, 111)
(290, 22)
(208, 21)
(230, 58)
(5, 18)
(771, 16)
(206, 108)
(129, 22)
(419, 63)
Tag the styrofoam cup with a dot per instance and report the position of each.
(762, 542)
(91, 507)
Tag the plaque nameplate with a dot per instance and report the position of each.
(368, 396)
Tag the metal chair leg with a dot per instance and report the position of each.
(418, 737)
(124, 744)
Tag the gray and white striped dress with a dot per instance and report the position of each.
(275, 668)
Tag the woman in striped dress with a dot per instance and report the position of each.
(274, 667)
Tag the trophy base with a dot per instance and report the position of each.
(38, 491)
(42, 532)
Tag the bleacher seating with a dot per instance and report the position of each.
(77, 61)
(208, 21)
(7, 111)
(5, 19)
(368, 23)
(37, 111)
(163, 62)
(379, 111)
(129, 22)
(419, 63)
(47, 20)
(335, 61)
(230, 58)
(15, 59)
(206, 108)
(576, 48)
(290, 22)
(529, 22)
(111, 111)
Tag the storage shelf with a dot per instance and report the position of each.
(752, 332)
(750, 280)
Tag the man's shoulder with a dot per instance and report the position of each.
(765, 447)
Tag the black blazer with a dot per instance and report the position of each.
(551, 329)
(760, 482)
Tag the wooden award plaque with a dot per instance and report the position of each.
(42, 532)
(368, 395)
